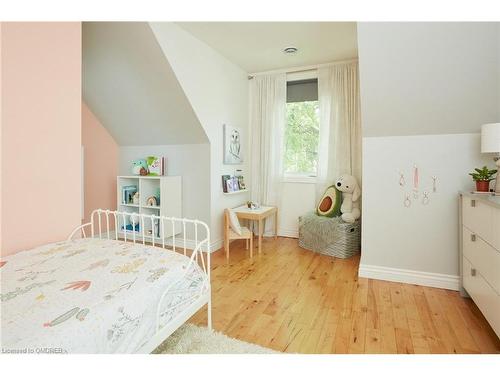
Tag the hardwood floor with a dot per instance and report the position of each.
(293, 300)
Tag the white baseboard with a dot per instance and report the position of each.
(190, 244)
(285, 232)
(216, 245)
(436, 280)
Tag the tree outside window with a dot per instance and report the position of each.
(301, 138)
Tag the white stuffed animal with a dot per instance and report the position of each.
(350, 198)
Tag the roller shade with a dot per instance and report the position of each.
(302, 91)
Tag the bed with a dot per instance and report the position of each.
(102, 293)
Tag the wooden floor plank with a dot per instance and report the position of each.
(296, 301)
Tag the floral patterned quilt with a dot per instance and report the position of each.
(92, 295)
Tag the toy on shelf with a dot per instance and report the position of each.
(135, 198)
(152, 201)
(140, 167)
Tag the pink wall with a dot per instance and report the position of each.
(41, 133)
(101, 164)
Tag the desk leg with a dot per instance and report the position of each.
(260, 236)
(276, 225)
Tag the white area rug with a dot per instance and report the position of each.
(191, 339)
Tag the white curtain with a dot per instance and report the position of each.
(267, 124)
(340, 124)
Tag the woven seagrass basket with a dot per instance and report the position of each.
(329, 236)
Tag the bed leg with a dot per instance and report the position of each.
(209, 314)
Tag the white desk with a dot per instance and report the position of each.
(258, 214)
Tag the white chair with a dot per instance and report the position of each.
(230, 234)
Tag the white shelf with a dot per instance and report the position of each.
(236, 192)
(150, 177)
(169, 189)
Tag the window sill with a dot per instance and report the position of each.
(299, 180)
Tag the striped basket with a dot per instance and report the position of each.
(329, 236)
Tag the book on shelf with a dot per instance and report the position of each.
(130, 228)
(225, 178)
(232, 185)
(127, 193)
(156, 165)
(241, 183)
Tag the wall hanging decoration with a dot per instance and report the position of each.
(434, 184)
(407, 201)
(425, 198)
(416, 191)
(402, 181)
(415, 182)
(233, 150)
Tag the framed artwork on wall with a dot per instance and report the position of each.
(233, 145)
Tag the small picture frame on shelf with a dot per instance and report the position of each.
(229, 185)
(225, 178)
(241, 183)
(236, 184)
(232, 185)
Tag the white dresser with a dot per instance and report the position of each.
(480, 253)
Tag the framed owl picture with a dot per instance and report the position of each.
(233, 145)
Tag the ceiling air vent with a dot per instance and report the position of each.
(290, 50)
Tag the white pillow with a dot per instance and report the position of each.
(234, 222)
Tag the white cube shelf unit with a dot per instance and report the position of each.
(170, 192)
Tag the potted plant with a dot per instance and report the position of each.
(483, 177)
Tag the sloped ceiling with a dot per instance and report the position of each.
(131, 88)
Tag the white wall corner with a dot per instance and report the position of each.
(436, 280)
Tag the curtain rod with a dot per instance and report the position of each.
(298, 69)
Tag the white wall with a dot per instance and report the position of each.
(428, 78)
(218, 92)
(420, 237)
(131, 88)
(420, 85)
(192, 162)
(297, 199)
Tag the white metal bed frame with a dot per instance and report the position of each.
(101, 228)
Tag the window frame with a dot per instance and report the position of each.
(300, 178)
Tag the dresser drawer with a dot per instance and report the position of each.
(485, 258)
(479, 218)
(483, 295)
(496, 229)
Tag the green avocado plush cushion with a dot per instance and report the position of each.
(330, 202)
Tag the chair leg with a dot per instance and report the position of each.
(251, 245)
(246, 244)
(226, 246)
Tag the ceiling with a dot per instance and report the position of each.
(131, 88)
(258, 46)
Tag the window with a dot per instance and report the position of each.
(301, 129)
